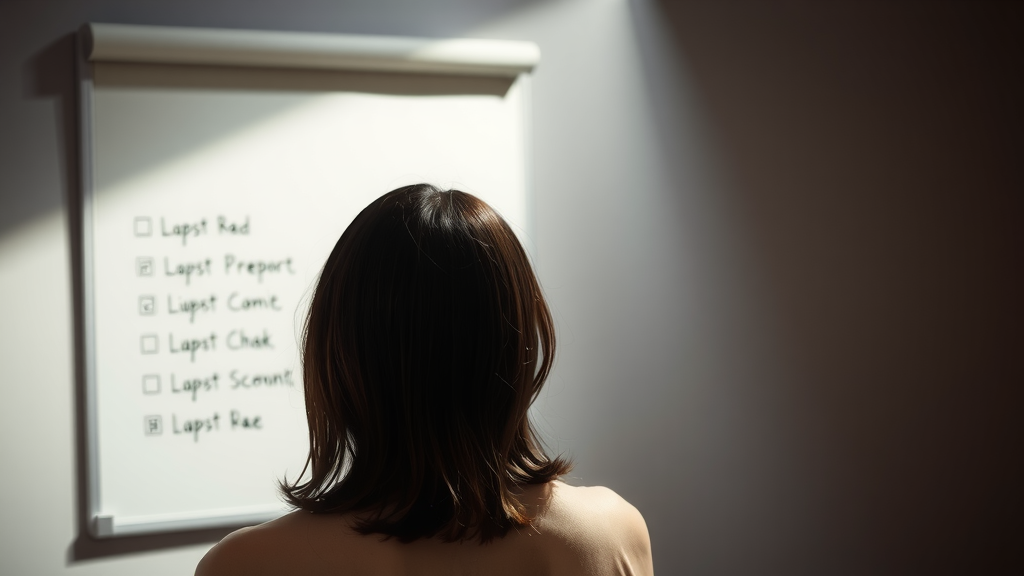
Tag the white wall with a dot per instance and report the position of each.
(781, 241)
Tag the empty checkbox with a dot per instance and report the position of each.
(143, 226)
(149, 344)
(151, 384)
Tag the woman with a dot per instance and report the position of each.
(426, 342)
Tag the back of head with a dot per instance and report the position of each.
(426, 342)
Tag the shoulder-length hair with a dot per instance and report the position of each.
(426, 342)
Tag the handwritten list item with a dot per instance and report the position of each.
(199, 340)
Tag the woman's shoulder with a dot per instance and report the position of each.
(288, 545)
(598, 498)
(595, 505)
(245, 550)
(598, 524)
(576, 530)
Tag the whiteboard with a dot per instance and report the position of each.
(219, 169)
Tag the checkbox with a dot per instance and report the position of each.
(149, 343)
(147, 305)
(154, 425)
(143, 226)
(144, 266)
(151, 384)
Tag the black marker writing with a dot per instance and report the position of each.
(195, 385)
(239, 303)
(185, 230)
(238, 339)
(232, 265)
(192, 345)
(187, 269)
(191, 305)
(244, 380)
(195, 426)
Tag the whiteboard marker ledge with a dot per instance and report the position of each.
(107, 526)
(258, 48)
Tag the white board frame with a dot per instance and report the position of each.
(248, 48)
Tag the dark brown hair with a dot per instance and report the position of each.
(426, 342)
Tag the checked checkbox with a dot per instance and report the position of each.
(154, 425)
(144, 266)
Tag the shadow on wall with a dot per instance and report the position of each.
(874, 155)
(49, 75)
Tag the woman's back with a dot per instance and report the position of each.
(426, 342)
(575, 531)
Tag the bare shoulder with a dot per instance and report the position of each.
(595, 504)
(599, 523)
(264, 549)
